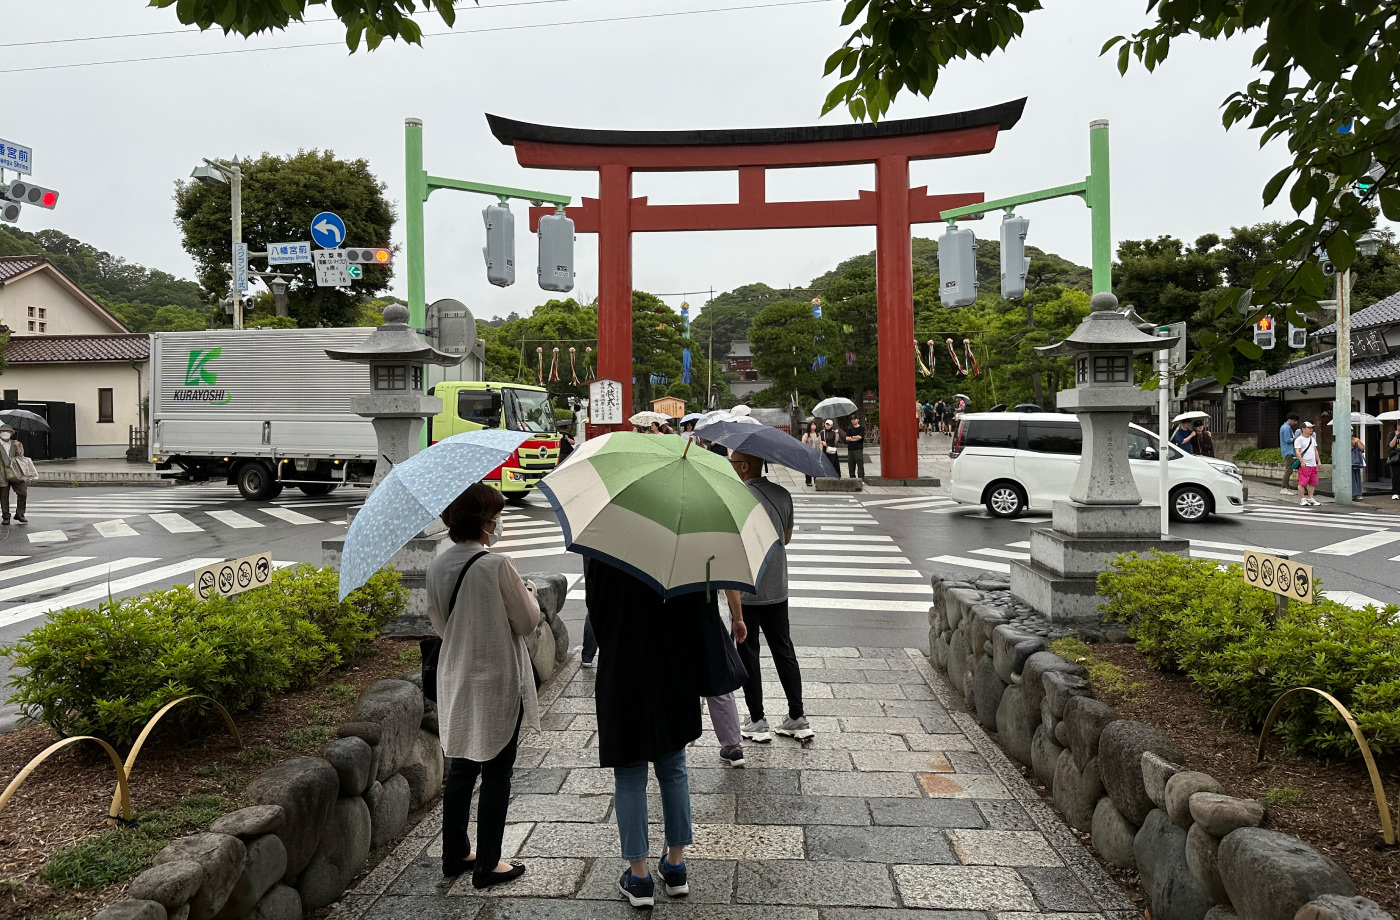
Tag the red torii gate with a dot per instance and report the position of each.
(615, 215)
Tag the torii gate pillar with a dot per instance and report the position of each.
(892, 208)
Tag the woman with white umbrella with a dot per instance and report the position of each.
(1392, 456)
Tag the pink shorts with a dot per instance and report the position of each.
(1307, 475)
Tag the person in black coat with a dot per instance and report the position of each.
(647, 696)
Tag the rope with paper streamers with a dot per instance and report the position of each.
(932, 357)
(554, 366)
(954, 354)
(588, 364)
(573, 367)
(919, 360)
(971, 358)
(539, 358)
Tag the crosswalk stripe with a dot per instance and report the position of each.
(859, 538)
(849, 560)
(929, 503)
(834, 520)
(844, 547)
(48, 536)
(233, 519)
(858, 603)
(838, 528)
(1022, 544)
(1215, 554)
(38, 608)
(868, 573)
(973, 563)
(886, 501)
(948, 510)
(857, 587)
(23, 570)
(532, 525)
(535, 553)
(69, 578)
(176, 524)
(6, 560)
(1354, 600)
(556, 538)
(117, 528)
(290, 516)
(1240, 547)
(1000, 553)
(1304, 520)
(1359, 544)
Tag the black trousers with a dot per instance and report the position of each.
(491, 809)
(855, 464)
(772, 621)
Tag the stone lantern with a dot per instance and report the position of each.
(396, 405)
(1104, 516)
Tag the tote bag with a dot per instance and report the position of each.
(723, 672)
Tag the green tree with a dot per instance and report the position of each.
(657, 342)
(280, 197)
(728, 320)
(371, 20)
(562, 324)
(143, 317)
(102, 275)
(787, 341)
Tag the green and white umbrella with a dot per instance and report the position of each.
(678, 519)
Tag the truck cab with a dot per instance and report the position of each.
(475, 405)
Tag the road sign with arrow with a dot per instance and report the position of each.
(328, 230)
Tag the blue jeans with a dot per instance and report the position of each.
(630, 788)
(1356, 487)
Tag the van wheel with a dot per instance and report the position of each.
(516, 498)
(1005, 500)
(256, 482)
(1190, 504)
(315, 489)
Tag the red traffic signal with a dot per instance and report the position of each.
(1266, 324)
(380, 255)
(29, 193)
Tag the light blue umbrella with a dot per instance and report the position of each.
(414, 493)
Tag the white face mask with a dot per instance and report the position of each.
(4, 436)
(495, 535)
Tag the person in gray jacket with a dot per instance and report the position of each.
(482, 609)
(12, 480)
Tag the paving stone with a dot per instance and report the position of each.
(856, 741)
(556, 909)
(842, 675)
(917, 692)
(416, 907)
(1002, 848)
(570, 839)
(800, 809)
(527, 757)
(962, 786)
(857, 664)
(678, 910)
(745, 782)
(896, 725)
(747, 841)
(925, 845)
(588, 808)
(772, 690)
(926, 813)
(855, 913)
(868, 691)
(825, 884)
(968, 762)
(704, 809)
(556, 721)
(844, 652)
(1006, 815)
(576, 705)
(1058, 889)
(886, 677)
(596, 781)
(421, 876)
(543, 878)
(886, 785)
(711, 882)
(581, 759)
(953, 741)
(585, 721)
(963, 888)
(563, 741)
(537, 781)
(834, 707)
(512, 839)
(794, 757)
(578, 690)
(906, 762)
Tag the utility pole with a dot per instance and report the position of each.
(1341, 404)
(216, 172)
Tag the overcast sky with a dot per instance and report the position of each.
(114, 138)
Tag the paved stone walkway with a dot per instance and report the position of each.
(900, 809)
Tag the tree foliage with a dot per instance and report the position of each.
(370, 20)
(107, 278)
(1326, 82)
(280, 197)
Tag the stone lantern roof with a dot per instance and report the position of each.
(1106, 329)
(395, 341)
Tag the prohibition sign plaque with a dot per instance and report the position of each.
(245, 573)
(1279, 575)
(1266, 572)
(234, 576)
(204, 586)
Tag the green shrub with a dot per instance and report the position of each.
(1270, 455)
(106, 671)
(1192, 616)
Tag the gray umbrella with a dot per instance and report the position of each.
(23, 420)
(834, 407)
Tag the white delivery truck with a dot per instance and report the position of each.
(260, 409)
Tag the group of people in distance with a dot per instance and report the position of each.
(1297, 442)
(937, 417)
(651, 666)
(827, 438)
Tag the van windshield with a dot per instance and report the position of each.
(529, 410)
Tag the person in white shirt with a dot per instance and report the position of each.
(1305, 446)
(10, 450)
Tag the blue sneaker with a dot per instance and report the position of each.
(673, 878)
(641, 892)
(733, 756)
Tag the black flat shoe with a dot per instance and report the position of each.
(482, 879)
(460, 868)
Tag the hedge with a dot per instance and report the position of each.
(106, 671)
(1271, 455)
(1197, 618)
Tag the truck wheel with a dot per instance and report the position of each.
(256, 482)
(516, 498)
(315, 489)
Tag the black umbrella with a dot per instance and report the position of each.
(23, 420)
(768, 444)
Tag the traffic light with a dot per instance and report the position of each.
(9, 211)
(1297, 337)
(29, 193)
(556, 268)
(957, 267)
(500, 244)
(1014, 261)
(377, 256)
(1370, 177)
(1264, 333)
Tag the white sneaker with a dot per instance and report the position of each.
(1286, 492)
(1313, 501)
(1303, 502)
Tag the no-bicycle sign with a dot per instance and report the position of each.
(1279, 575)
(233, 577)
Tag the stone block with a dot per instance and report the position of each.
(960, 602)
(370, 731)
(306, 788)
(1270, 875)
(1156, 770)
(938, 648)
(550, 590)
(800, 810)
(832, 484)
(389, 813)
(1221, 814)
(424, 770)
(171, 884)
(1121, 746)
(959, 661)
(1078, 556)
(1062, 734)
(1022, 653)
(253, 821)
(921, 845)
(342, 853)
(1077, 792)
(1003, 848)
(1220, 913)
(1047, 718)
(1202, 853)
(397, 707)
(1058, 598)
(133, 909)
(1059, 686)
(1012, 727)
(264, 864)
(221, 859)
(352, 759)
(984, 619)
(1033, 676)
(1179, 790)
(1085, 718)
(1105, 521)
(985, 888)
(1058, 890)
(825, 884)
(1160, 852)
(1113, 834)
(987, 688)
(1005, 638)
(1338, 907)
(942, 812)
(1045, 757)
(281, 903)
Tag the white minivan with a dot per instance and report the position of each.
(1014, 461)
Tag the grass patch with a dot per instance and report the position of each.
(116, 855)
(342, 693)
(10, 885)
(258, 753)
(301, 739)
(1104, 675)
(411, 655)
(61, 915)
(1281, 796)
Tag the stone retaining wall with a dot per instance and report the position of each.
(1200, 853)
(313, 821)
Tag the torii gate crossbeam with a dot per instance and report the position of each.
(891, 208)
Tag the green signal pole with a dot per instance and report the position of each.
(1095, 192)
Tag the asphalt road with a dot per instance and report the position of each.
(859, 564)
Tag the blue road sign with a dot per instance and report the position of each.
(328, 230)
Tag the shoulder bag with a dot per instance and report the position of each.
(24, 468)
(724, 672)
(431, 647)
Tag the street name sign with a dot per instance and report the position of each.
(224, 579)
(331, 268)
(289, 254)
(240, 267)
(605, 402)
(1279, 575)
(328, 230)
(16, 156)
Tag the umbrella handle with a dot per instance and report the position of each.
(707, 578)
